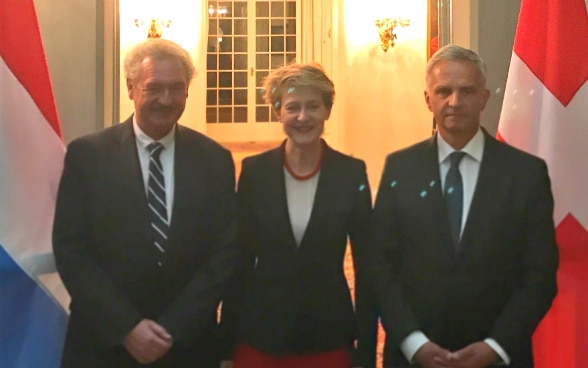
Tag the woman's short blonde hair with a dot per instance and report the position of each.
(297, 75)
(161, 49)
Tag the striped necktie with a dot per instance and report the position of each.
(156, 197)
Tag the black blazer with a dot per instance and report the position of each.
(290, 299)
(502, 281)
(106, 257)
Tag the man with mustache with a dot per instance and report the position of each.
(144, 228)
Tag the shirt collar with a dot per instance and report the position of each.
(474, 148)
(144, 140)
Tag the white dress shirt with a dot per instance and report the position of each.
(469, 167)
(167, 161)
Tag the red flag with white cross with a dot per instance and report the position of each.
(545, 112)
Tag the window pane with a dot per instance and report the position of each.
(226, 27)
(259, 75)
(240, 115)
(225, 97)
(277, 9)
(240, 97)
(240, 9)
(240, 44)
(290, 58)
(262, 114)
(225, 115)
(225, 8)
(277, 60)
(240, 27)
(240, 62)
(259, 96)
(240, 79)
(262, 9)
(277, 43)
(211, 115)
(212, 27)
(225, 79)
(262, 26)
(211, 80)
(277, 26)
(211, 97)
(291, 26)
(262, 44)
(291, 43)
(262, 61)
(225, 62)
(226, 45)
(291, 8)
(211, 63)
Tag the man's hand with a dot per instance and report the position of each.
(148, 342)
(431, 355)
(476, 355)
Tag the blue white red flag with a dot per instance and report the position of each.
(32, 317)
(545, 112)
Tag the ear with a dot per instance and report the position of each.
(130, 89)
(427, 97)
(485, 98)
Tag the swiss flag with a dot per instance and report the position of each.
(545, 112)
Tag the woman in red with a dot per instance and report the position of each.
(290, 305)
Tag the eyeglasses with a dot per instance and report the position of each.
(175, 90)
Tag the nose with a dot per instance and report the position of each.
(454, 99)
(165, 97)
(303, 114)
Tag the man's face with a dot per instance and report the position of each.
(159, 94)
(456, 95)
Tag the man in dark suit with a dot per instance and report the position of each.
(144, 228)
(466, 253)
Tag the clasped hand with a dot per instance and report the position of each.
(148, 342)
(476, 355)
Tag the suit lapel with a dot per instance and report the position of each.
(434, 208)
(323, 196)
(276, 191)
(485, 190)
(127, 169)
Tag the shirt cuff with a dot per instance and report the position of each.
(499, 350)
(412, 343)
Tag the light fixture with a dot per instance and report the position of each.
(386, 32)
(154, 26)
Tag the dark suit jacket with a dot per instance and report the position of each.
(502, 281)
(106, 258)
(289, 299)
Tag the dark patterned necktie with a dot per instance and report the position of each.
(156, 197)
(453, 194)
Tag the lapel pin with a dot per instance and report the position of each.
(393, 183)
(449, 190)
(432, 183)
(423, 194)
(361, 187)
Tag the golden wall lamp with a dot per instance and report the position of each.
(154, 26)
(386, 32)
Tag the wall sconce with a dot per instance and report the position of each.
(154, 26)
(386, 30)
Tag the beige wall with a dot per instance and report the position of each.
(70, 36)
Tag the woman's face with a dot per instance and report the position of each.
(303, 113)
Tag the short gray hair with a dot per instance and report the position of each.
(157, 48)
(457, 53)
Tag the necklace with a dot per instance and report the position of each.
(309, 175)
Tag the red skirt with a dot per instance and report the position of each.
(249, 357)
